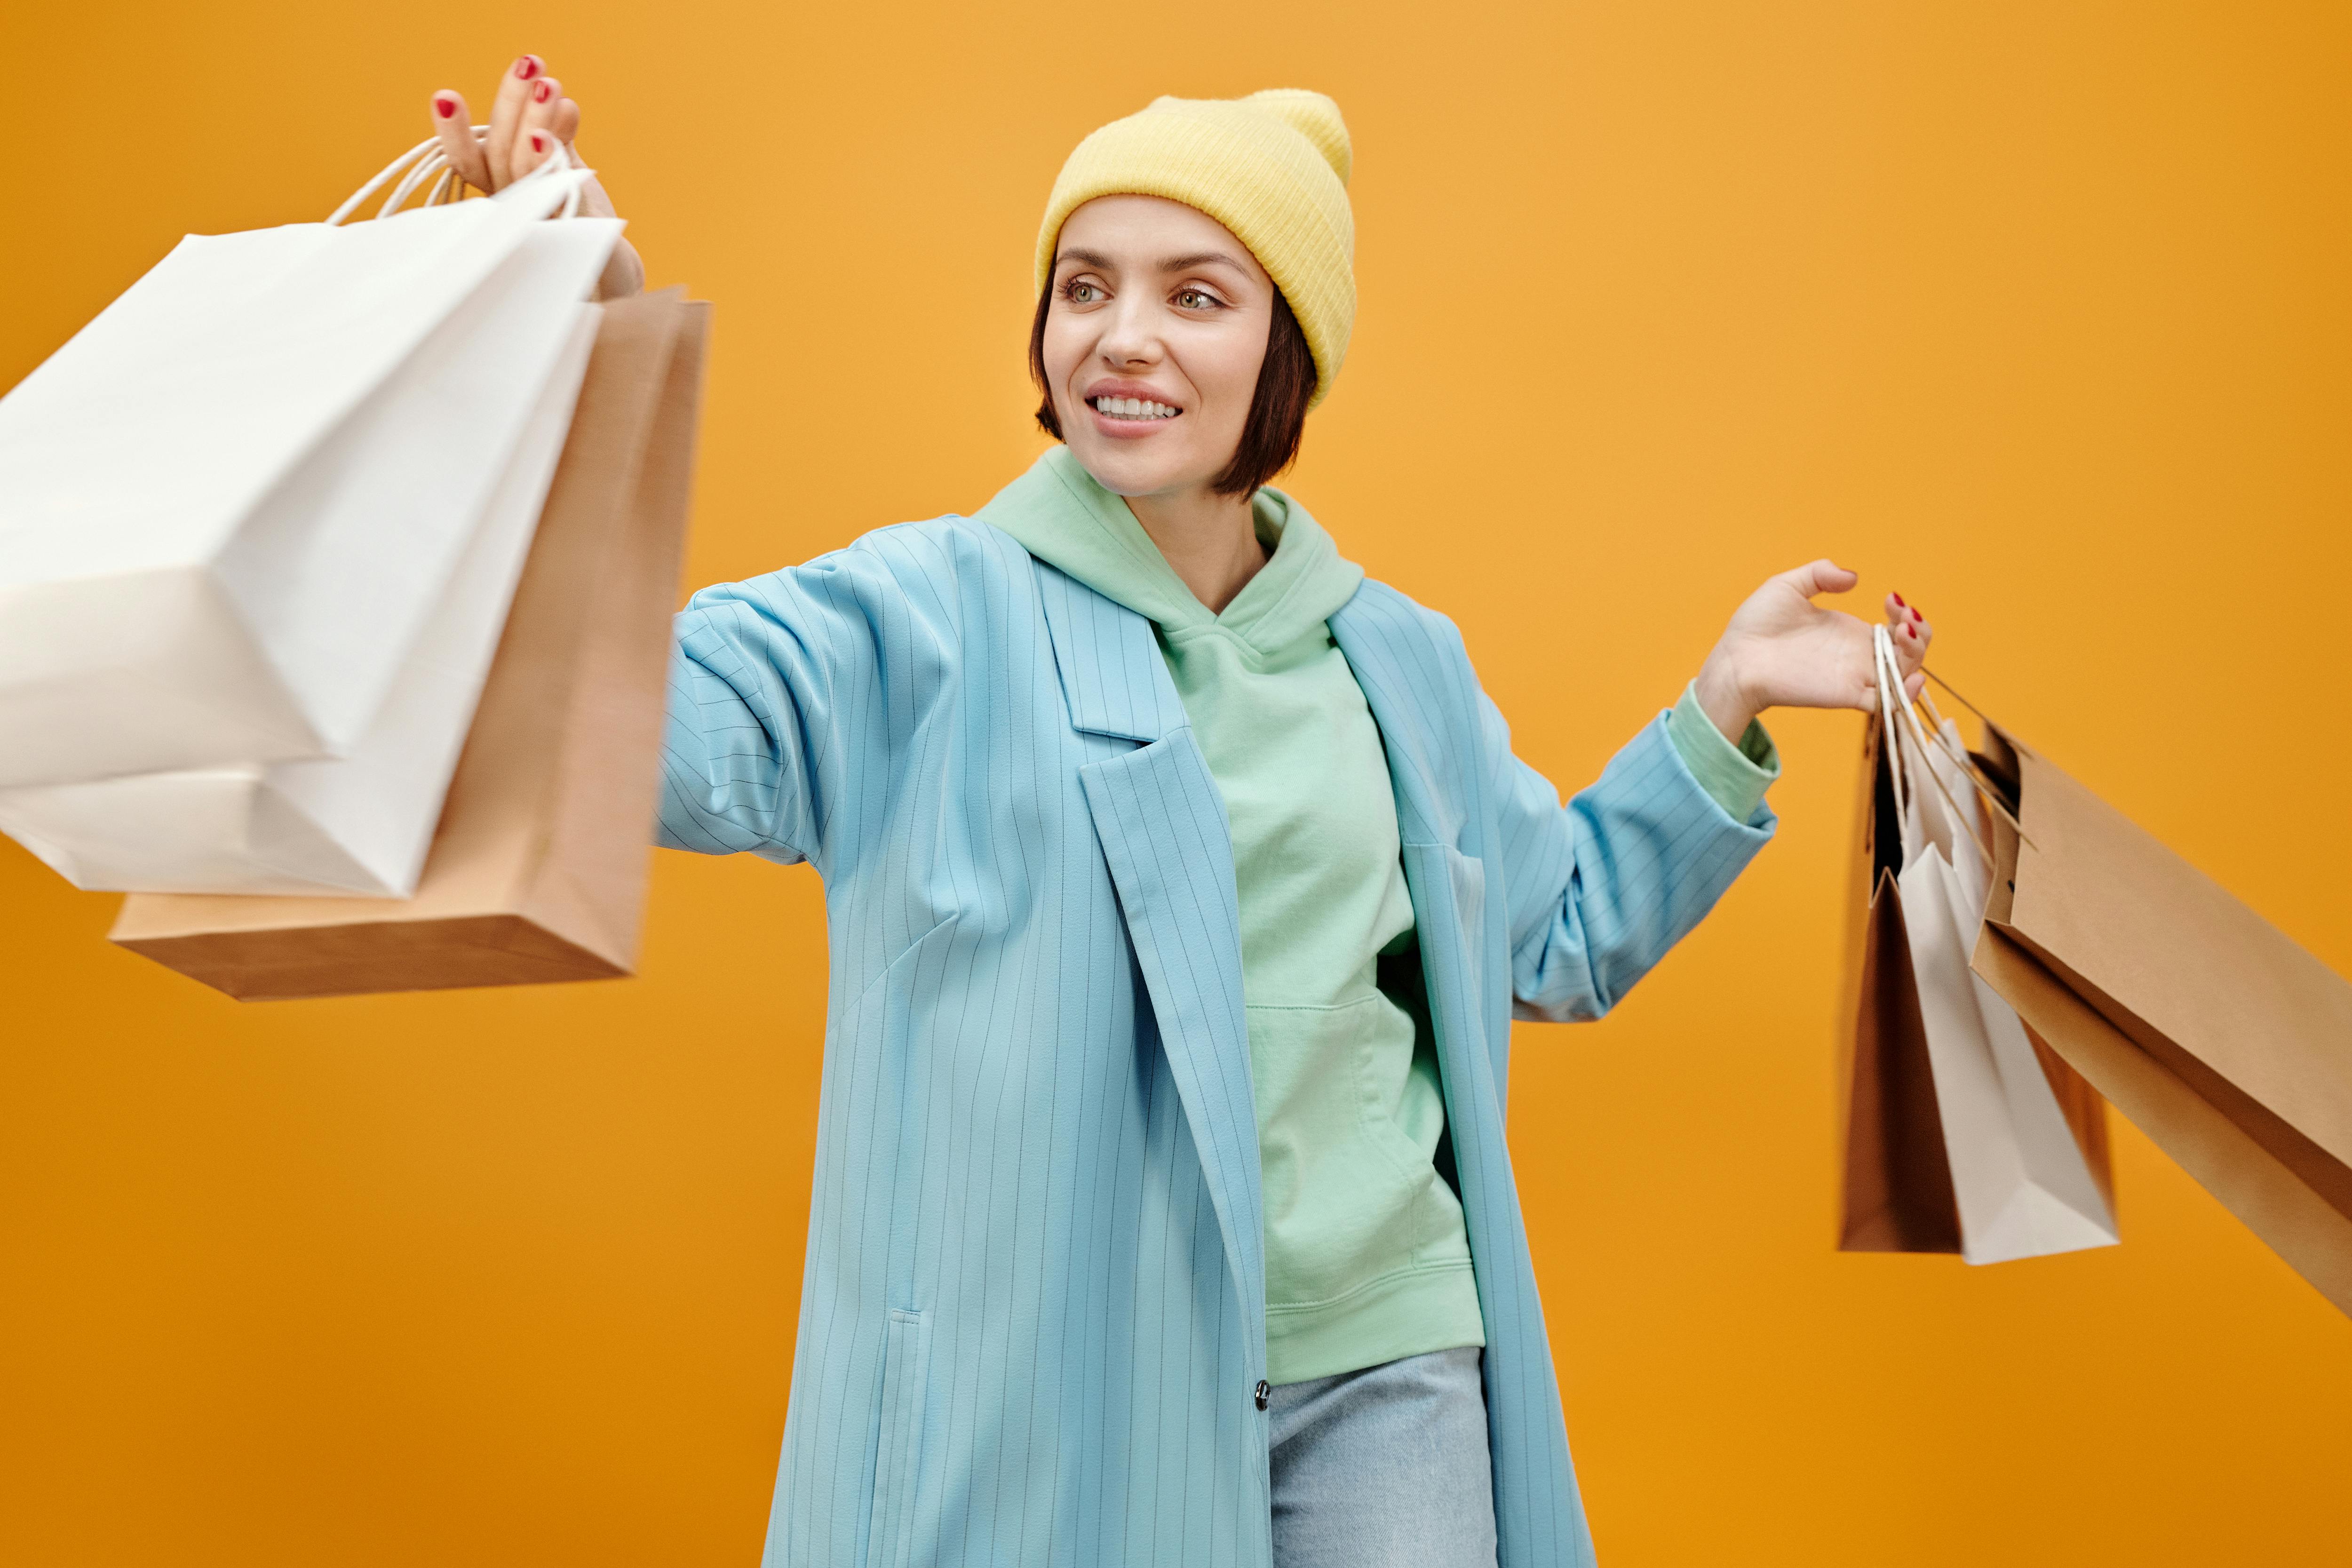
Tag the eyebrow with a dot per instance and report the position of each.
(1201, 258)
(1173, 264)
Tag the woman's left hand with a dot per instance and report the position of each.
(531, 121)
(1782, 651)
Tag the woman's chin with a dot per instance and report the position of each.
(1131, 468)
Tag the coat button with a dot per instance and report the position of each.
(1264, 1391)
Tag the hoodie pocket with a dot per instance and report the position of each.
(898, 1455)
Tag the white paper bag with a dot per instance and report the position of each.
(2022, 1186)
(229, 505)
(360, 824)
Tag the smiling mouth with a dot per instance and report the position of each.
(1141, 410)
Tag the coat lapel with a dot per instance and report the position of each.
(1419, 693)
(1112, 675)
(1403, 691)
(1162, 822)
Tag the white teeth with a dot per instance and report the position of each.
(1135, 408)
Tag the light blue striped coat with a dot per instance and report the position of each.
(1033, 1320)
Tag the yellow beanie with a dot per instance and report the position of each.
(1272, 167)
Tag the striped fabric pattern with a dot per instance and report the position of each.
(1032, 1320)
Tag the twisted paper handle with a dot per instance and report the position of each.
(428, 160)
(1889, 682)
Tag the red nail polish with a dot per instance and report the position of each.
(537, 142)
(527, 67)
(445, 107)
(1899, 599)
(539, 94)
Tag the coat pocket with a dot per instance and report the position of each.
(898, 1455)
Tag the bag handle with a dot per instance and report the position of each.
(1967, 763)
(1890, 680)
(1880, 648)
(428, 160)
(1890, 673)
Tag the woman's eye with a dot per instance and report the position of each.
(1195, 299)
(1080, 293)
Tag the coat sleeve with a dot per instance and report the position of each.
(776, 704)
(1597, 889)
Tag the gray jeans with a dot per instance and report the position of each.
(1385, 1468)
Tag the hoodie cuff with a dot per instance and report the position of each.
(1735, 777)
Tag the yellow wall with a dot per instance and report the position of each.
(2034, 311)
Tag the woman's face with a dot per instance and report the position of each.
(1153, 339)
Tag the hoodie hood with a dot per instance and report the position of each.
(1063, 518)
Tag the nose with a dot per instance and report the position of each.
(1130, 337)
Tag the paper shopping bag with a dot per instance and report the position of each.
(2023, 1159)
(359, 824)
(1897, 1191)
(230, 504)
(2227, 1044)
(2024, 1186)
(538, 870)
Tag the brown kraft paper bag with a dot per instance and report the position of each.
(2221, 1039)
(1897, 1187)
(1896, 1180)
(538, 868)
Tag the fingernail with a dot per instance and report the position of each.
(537, 142)
(1899, 599)
(1915, 614)
(528, 66)
(539, 94)
(445, 107)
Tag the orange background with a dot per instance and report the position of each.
(2034, 311)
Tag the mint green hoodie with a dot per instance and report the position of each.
(1367, 1257)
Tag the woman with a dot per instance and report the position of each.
(1181, 889)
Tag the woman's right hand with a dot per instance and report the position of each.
(530, 119)
(1783, 650)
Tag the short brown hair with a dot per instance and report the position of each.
(1277, 415)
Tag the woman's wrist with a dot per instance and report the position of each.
(1723, 694)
